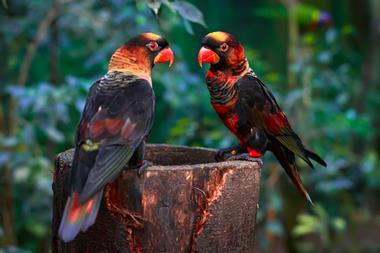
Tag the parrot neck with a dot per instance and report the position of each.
(221, 87)
(221, 83)
(131, 61)
(240, 68)
(237, 69)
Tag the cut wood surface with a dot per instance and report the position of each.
(187, 201)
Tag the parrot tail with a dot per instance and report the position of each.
(287, 161)
(315, 157)
(294, 175)
(78, 217)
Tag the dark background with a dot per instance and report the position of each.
(321, 59)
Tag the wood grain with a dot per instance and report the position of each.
(189, 203)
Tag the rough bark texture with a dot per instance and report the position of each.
(189, 204)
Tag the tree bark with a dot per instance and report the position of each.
(188, 202)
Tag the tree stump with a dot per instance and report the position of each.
(189, 203)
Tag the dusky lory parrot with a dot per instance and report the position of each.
(113, 128)
(248, 108)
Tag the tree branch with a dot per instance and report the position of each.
(6, 203)
(32, 47)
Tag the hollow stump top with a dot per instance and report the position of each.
(189, 203)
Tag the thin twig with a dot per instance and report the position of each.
(7, 188)
(32, 47)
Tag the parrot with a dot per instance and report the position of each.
(249, 110)
(115, 123)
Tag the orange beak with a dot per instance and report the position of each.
(166, 55)
(208, 56)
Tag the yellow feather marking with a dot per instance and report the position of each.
(152, 36)
(90, 146)
(219, 36)
(233, 152)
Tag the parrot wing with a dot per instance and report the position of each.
(114, 122)
(264, 112)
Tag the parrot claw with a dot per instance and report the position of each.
(145, 164)
(224, 153)
(246, 157)
(141, 167)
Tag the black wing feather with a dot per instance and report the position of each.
(131, 105)
(262, 106)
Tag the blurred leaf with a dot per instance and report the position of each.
(4, 158)
(275, 227)
(331, 36)
(154, 5)
(54, 134)
(348, 30)
(13, 249)
(270, 11)
(292, 98)
(189, 12)
(335, 185)
(5, 4)
(188, 27)
(9, 142)
(306, 13)
(21, 174)
(306, 224)
(36, 227)
(339, 224)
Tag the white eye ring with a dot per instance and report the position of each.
(152, 45)
(224, 47)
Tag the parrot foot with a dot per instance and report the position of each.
(145, 164)
(224, 153)
(130, 219)
(246, 157)
(141, 167)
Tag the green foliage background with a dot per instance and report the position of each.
(320, 58)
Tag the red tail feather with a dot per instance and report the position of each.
(78, 217)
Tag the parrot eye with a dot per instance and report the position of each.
(224, 47)
(152, 45)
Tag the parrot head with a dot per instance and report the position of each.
(141, 53)
(221, 50)
(156, 47)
